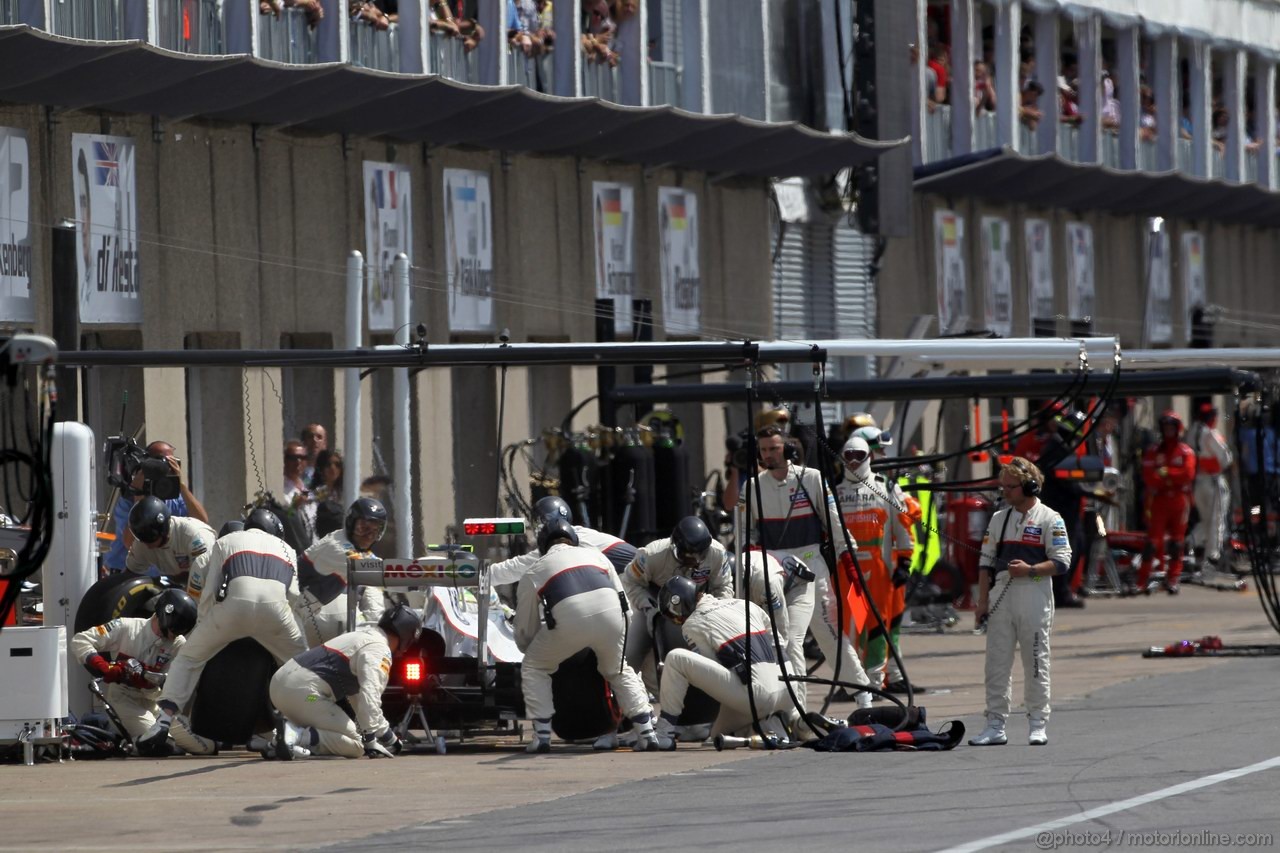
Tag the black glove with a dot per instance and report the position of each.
(902, 572)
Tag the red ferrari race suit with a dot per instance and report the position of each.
(1168, 470)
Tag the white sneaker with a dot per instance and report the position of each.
(992, 735)
(606, 742)
(538, 746)
(665, 735)
(863, 699)
(258, 743)
(646, 737)
(1038, 736)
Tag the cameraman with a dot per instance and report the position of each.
(186, 505)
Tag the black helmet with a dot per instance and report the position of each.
(231, 526)
(400, 621)
(690, 541)
(556, 530)
(366, 509)
(175, 612)
(678, 597)
(149, 520)
(265, 520)
(551, 507)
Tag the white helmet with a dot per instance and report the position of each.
(875, 437)
(856, 454)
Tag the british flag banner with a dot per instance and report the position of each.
(103, 180)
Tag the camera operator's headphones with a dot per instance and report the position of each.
(1030, 485)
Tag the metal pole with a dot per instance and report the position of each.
(66, 315)
(351, 397)
(401, 429)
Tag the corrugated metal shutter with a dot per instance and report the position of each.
(822, 289)
(790, 290)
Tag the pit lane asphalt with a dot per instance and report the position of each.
(1122, 726)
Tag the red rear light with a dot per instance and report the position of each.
(412, 674)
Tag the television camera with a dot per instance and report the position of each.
(126, 459)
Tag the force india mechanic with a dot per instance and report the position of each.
(132, 656)
(246, 590)
(353, 666)
(1024, 546)
(790, 523)
(719, 631)
(569, 601)
(321, 607)
(876, 514)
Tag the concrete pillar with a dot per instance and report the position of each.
(412, 29)
(1127, 80)
(963, 13)
(1089, 54)
(566, 62)
(1008, 95)
(919, 98)
(1264, 120)
(1168, 95)
(695, 90)
(633, 72)
(767, 53)
(1046, 35)
(491, 53)
(1234, 70)
(1200, 69)
(434, 452)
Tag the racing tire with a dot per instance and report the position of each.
(117, 595)
(584, 703)
(231, 702)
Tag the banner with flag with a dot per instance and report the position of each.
(388, 231)
(1080, 289)
(1158, 325)
(953, 298)
(468, 240)
(1039, 256)
(1194, 289)
(997, 276)
(107, 269)
(16, 304)
(679, 264)
(614, 206)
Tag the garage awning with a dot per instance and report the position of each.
(1047, 180)
(132, 77)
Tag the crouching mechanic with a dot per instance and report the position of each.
(577, 592)
(352, 666)
(1025, 545)
(142, 649)
(321, 607)
(689, 552)
(724, 640)
(245, 590)
(619, 551)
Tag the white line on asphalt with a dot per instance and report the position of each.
(1112, 808)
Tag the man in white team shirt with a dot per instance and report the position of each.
(321, 607)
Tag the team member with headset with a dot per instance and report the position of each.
(1024, 547)
(619, 551)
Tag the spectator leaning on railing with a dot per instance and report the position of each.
(598, 30)
(464, 24)
(311, 8)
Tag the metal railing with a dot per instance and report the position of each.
(1250, 166)
(287, 38)
(371, 47)
(532, 72)
(1028, 140)
(1182, 156)
(664, 83)
(447, 57)
(1148, 159)
(1069, 142)
(1217, 164)
(8, 12)
(88, 19)
(937, 134)
(189, 26)
(600, 80)
(986, 134)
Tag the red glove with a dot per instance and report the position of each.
(108, 671)
(848, 570)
